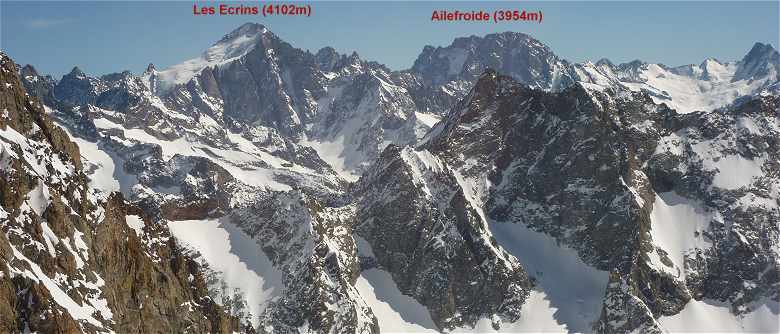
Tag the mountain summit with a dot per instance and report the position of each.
(762, 61)
(237, 43)
(516, 54)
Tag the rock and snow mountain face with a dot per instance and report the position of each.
(423, 229)
(340, 196)
(517, 55)
(75, 258)
(658, 199)
(254, 84)
(443, 75)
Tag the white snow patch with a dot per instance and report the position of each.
(241, 260)
(735, 171)
(575, 289)
(693, 92)
(50, 238)
(39, 198)
(537, 316)
(715, 317)
(674, 221)
(334, 153)
(136, 223)
(427, 119)
(99, 165)
(238, 163)
(396, 312)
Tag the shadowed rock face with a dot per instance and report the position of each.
(423, 230)
(761, 61)
(76, 88)
(276, 85)
(545, 151)
(443, 75)
(70, 261)
(39, 85)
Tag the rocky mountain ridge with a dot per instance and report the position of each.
(351, 107)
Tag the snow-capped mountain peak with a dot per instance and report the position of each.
(236, 44)
(714, 70)
(762, 61)
(513, 53)
(76, 72)
(150, 69)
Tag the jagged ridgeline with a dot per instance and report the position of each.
(493, 186)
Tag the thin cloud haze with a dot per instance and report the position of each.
(42, 23)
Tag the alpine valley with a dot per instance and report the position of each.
(493, 186)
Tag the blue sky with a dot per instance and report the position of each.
(108, 37)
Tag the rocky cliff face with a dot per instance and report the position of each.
(75, 259)
(762, 61)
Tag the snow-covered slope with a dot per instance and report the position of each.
(236, 257)
(572, 289)
(713, 316)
